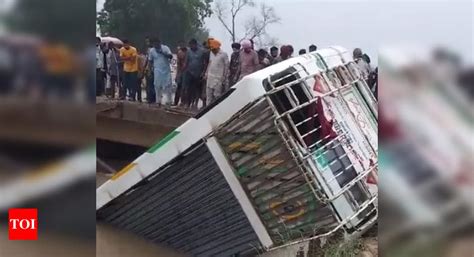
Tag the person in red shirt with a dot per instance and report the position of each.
(180, 92)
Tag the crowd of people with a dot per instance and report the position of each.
(203, 71)
(44, 68)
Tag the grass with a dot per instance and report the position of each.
(345, 249)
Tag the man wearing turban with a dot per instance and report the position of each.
(217, 71)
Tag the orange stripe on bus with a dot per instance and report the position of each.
(123, 171)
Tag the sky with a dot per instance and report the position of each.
(368, 24)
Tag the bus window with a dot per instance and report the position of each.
(336, 82)
(351, 67)
(304, 121)
(344, 75)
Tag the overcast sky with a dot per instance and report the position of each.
(369, 24)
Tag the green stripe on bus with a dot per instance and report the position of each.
(163, 141)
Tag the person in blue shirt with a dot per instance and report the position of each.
(193, 73)
(159, 58)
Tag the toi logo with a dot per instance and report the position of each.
(23, 224)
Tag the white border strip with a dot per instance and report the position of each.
(40, 183)
(239, 192)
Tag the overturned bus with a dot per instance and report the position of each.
(426, 149)
(288, 154)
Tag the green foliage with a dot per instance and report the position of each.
(173, 21)
(345, 249)
(71, 21)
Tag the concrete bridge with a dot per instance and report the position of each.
(135, 123)
(60, 123)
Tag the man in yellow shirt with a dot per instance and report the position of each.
(59, 67)
(129, 55)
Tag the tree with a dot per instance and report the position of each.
(71, 21)
(266, 41)
(171, 20)
(256, 26)
(222, 11)
(227, 11)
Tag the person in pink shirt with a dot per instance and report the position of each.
(248, 59)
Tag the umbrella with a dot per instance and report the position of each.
(111, 39)
(22, 40)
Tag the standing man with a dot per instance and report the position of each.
(234, 64)
(291, 50)
(99, 68)
(193, 70)
(129, 55)
(202, 86)
(372, 82)
(142, 64)
(273, 54)
(284, 53)
(359, 59)
(180, 95)
(160, 57)
(113, 59)
(217, 70)
(150, 87)
(263, 61)
(248, 59)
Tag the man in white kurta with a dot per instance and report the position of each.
(217, 71)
